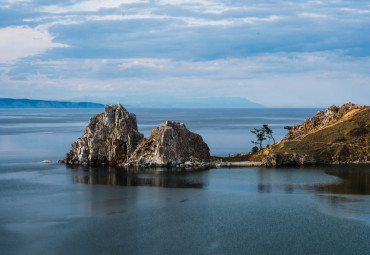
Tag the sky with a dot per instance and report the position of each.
(275, 53)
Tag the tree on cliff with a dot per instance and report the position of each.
(268, 132)
(260, 135)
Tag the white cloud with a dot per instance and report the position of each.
(267, 79)
(332, 62)
(227, 33)
(144, 62)
(22, 41)
(18, 1)
(91, 6)
(314, 15)
(185, 21)
(210, 7)
(7, 3)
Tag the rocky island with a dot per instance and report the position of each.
(112, 138)
(338, 135)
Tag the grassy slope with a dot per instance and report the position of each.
(347, 138)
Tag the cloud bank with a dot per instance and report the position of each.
(279, 54)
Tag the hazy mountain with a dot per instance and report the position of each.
(29, 103)
(141, 101)
(134, 102)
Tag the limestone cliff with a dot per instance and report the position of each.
(337, 135)
(169, 145)
(110, 138)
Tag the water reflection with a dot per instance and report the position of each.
(354, 180)
(264, 182)
(344, 195)
(140, 177)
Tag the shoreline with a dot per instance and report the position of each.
(242, 163)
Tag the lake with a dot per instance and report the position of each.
(55, 209)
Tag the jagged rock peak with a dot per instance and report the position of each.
(109, 138)
(322, 119)
(171, 144)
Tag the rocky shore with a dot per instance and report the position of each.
(338, 135)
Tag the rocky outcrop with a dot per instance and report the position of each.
(337, 135)
(288, 159)
(322, 119)
(171, 144)
(110, 138)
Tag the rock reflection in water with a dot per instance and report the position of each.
(346, 196)
(264, 182)
(140, 177)
(354, 180)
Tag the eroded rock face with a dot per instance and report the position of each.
(169, 145)
(110, 138)
(288, 159)
(322, 119)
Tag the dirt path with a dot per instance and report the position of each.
(242, 163)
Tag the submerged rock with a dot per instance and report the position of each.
(172, 144)
(110, 138)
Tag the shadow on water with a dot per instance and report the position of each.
(349, 195)
(354, 180)
(140, 177)
(351, 180)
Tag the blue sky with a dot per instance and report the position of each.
(276, 53)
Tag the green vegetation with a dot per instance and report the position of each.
(254, 149)
(268, 132)
(262, 134)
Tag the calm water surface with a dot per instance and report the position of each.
(53, 209)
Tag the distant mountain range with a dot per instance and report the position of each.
(157, 101)
(134, 102)
(29, 103)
